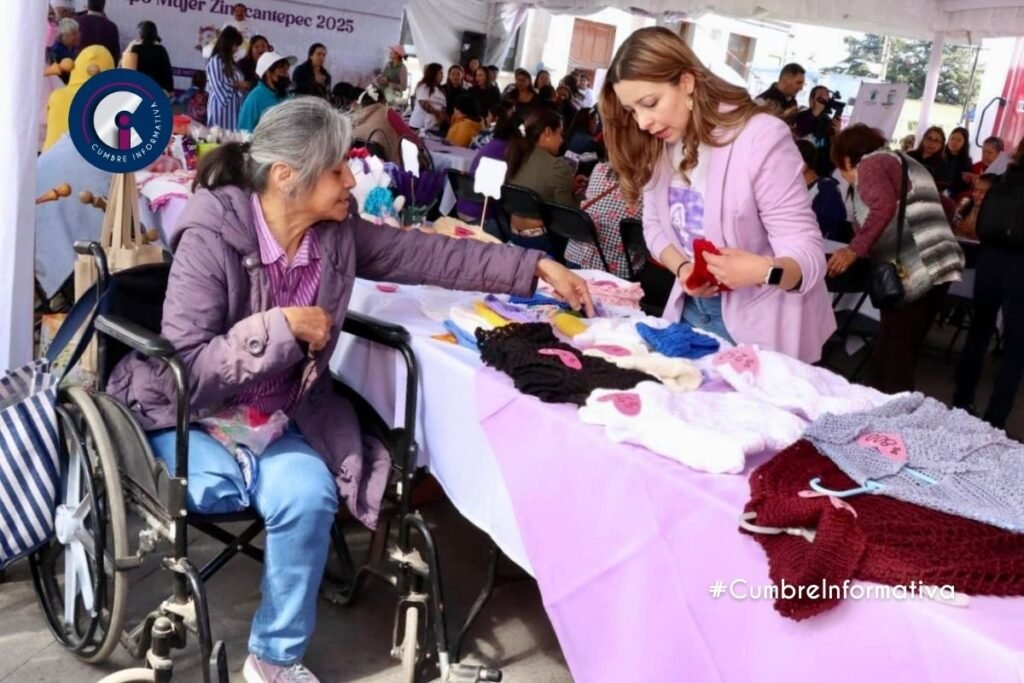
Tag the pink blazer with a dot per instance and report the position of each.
(756, 200)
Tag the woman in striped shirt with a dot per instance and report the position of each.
(226, 82)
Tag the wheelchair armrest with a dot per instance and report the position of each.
(134, 336)
(371, 329)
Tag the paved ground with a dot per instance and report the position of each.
(351, 644)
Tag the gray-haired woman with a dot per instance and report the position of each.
(264, 263)
(66, 44)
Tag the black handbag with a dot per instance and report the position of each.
(885, 282)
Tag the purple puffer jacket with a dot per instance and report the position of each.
(218, 317)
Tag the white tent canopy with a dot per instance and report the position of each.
(437, 29)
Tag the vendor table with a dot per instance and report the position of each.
(626, 545)
(447, 156)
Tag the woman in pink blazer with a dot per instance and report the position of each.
(712, 165)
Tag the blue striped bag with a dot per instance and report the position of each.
(29, 459)
(30, 448)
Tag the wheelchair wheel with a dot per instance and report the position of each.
(410, 644)
(81, 593)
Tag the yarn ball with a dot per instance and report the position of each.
(379, 202)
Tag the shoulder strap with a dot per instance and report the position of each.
(79, 319)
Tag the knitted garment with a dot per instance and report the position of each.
(625, 295)
(544, 367)
(708, 431)
(568, 324)
(482, 310)
(537, 300)
(513, 312)
(617, 331)
(678, 374)
(462, 338)
(791, 384)
(700, 275)
(978, 471)
(678, 340)
(884, 540)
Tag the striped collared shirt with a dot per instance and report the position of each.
(291, 284)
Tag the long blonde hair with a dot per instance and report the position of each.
(658, 55)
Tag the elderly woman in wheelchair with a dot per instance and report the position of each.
(263, 270)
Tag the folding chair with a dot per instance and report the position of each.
(462, 185)
(570, 223)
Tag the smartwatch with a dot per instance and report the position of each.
(774, 276)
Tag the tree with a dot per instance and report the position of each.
(908, 63)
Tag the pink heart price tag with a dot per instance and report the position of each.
(463, 232)
(612, 350)
(888, 445)
(626, 403)
(387, 288)
(741, 359)
(568, 359)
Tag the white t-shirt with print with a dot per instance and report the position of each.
(686, 199)
(420, 119)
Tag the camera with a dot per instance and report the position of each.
(834, 105)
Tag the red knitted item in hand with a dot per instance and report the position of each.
(700, 275)
(888, 541)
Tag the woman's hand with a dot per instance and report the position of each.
(737, 269)
(705, 290)
(310, 324)
(567, 284)
(840, 261)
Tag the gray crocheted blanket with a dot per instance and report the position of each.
(978, 471)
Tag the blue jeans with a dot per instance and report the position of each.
(705, 313)
(296, 496)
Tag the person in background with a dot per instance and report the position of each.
(239, 22)
(533, 163)
(958, 163)
(571, 83)
(62, 9)
(394, 72)
(607, 208)
(990, 151)
(375, 121)
(198, 99)
(345, 96)
(711, 164)
(486, 93)
(311, 78)
(582, 135)
(565, 104)
(492, 76)
(66, 44)
(587, 98)
(543, 78)
(497, 148)
(89, 62)
(454, 87)
(546, 95)
(496, 117)
(524, 97)
(96, 29)
(271, 90)
(267, 251)
(815, 125)
(257, 46)
(472, 64)
(965, 222)
(465, 121)
(227, 84)
(782, 94)
(826, 200)
(861, 154)
(907, 143)
(998, 286)
(930, 154)
(431, 110)
(148, 56)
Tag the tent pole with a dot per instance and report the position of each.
(21, 50)
(931, 84)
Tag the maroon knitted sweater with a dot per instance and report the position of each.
(887, 541)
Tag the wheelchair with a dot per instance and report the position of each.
(108, 470)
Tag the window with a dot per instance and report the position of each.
(740, 52)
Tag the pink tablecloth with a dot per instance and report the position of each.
(625, 546)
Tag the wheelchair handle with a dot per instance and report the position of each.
(86, 248)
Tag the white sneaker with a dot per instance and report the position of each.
(258, 671)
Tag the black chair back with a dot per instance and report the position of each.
(136, 294)
(633, 243)
(462, 185)
(571, 223)
(372, 146)
(522, 202)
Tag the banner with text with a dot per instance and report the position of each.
(356, 37)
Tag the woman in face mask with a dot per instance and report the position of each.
(272, 70)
